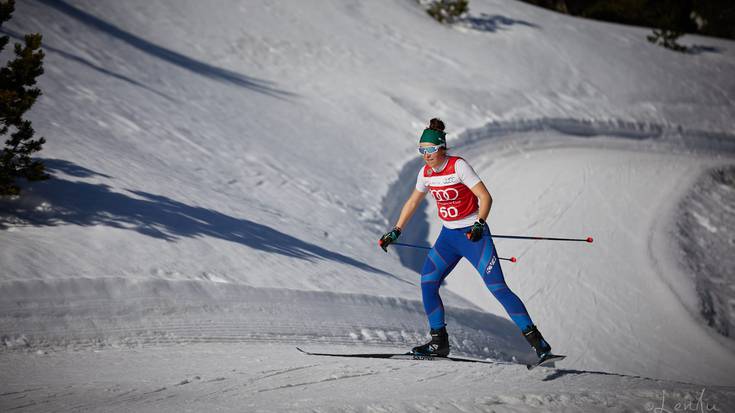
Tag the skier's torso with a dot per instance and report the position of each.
(450, 186)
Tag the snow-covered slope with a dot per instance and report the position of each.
(275, 378)
(222, 173)
(604, 301)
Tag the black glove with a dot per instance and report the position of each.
(388, 238)
(478, 228)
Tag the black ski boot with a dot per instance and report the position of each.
(536, 340)
(437, 347)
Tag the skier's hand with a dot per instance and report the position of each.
(388, 238)
(478, 228)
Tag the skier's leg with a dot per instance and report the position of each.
(439, 263)
(484, 257)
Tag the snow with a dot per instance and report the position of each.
(224, 377)
(625, 282)
(222, 175)
(706, 214)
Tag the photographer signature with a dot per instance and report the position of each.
(688, 405)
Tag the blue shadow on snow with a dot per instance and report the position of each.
(88, 204)
(168, 55)
(46, 48)
(492, 23)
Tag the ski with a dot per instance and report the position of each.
(404, 356)
(361, 355)
(546, 360)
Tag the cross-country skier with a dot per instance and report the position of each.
(464, 203)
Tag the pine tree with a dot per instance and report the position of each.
(667, 39)
(671, 18)
(17, 94)
(447, 11)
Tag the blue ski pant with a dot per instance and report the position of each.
(449, 248)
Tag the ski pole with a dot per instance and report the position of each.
(511, 259)
(588, 239)
(411, 245)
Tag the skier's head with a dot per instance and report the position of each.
(433, 143)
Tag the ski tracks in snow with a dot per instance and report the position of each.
(165, 313)
(276, 377)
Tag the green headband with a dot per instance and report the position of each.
(434, 136)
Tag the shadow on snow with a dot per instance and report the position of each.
(168, 55)
(59, 201)
(46, 48)
(559, 373)
(492, 23)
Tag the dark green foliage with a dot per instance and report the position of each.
(669, 18)
(17, 95)
(667, 39)
(447, 11)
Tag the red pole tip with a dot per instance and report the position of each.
(513, 259)
(589, 239)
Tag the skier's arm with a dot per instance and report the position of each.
(486, 201)
(409, 208)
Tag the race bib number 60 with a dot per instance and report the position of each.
(448, 212)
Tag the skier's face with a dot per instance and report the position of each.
(435, 159)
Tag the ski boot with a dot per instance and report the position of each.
(437, 347)
(536, 340)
